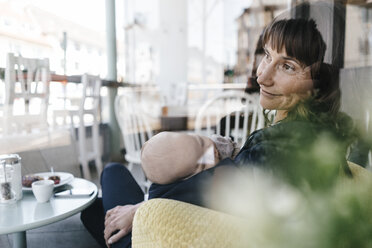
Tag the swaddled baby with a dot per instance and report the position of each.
(168, 157)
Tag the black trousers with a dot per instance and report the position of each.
(120, 188)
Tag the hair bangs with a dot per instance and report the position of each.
(297, 37)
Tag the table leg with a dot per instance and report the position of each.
(19, 240)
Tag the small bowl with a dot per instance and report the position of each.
(43, 190)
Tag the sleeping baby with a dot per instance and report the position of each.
(169, 156)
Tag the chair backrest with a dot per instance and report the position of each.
(27, 89)
(91, 93)
(134, 125)
(233, 114)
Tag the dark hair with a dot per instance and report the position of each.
(302, 40)
(252, 85)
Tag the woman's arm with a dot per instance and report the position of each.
(119, 219)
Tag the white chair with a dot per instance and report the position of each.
(134, 126)
(89, 107)
(270, 116)
(26, 95)
(135, 129)
(61, 113)
(231, 114)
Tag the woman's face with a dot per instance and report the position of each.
(283, 80)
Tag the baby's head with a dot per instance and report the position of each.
(168, 156)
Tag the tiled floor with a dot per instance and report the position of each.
(63, 234)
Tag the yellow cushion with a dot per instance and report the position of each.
(170, 223)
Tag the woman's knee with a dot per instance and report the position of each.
(114, 169)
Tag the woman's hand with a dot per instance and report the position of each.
(119, 219)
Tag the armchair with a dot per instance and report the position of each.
(170, 223)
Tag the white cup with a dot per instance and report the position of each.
(43, 190)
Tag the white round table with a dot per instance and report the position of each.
(28, 214)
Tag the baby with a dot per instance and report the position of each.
(168, 156)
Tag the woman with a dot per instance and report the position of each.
(296, 83)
